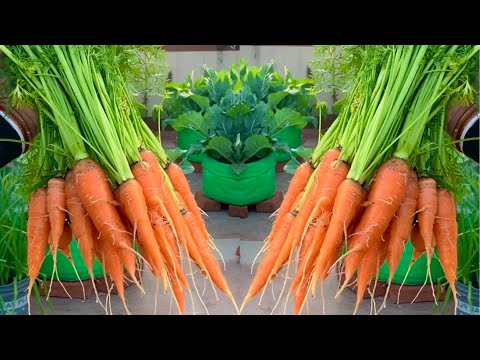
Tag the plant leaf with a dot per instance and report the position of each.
(202, 101)
(256, 145)
(222, 124)
(254, 121)
(192, 120)
(304, 153)
(220, 148)
(186, 166)
(238, 110)
(174, 154)
(287, 117)
(291, 166)
(275, 98)
(238, 167)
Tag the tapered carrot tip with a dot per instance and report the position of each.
(232, 299)
(341, 289)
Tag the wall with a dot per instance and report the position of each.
(295, 58)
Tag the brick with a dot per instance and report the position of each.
(270, 205)
(207, 204)
(279, 167)
(409, 292)
(73, 288)
(238, 211)
(197, 168)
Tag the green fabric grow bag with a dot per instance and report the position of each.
(187, 138)
(417, 273)
(65, 269)
(255, 184)
(291, 136)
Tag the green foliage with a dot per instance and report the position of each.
(239, 111)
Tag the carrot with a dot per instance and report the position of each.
(80, 222)
(38, 230)
(307, 261)
(179, 296)
(113, 266)
(427, 207)
(387, 192)
(264, 268)
(320, 200)
(180, 183)
(212, 266)
(96, 195)
(400, 228)
(169, 253)
(65, 240)
(446, 235)
(401, 225)
(347, 202)
(150, 177)
(374, 258)
(56, 205)
(130, 195)
(301, 294)
(296, 186)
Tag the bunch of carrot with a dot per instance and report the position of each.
(367, 187)
(116, 191)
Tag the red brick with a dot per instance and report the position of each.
(270, 205)
(238, 211)
(197, 167)
(409, 292)
(279, 167)
(207, 204)
(73, 288)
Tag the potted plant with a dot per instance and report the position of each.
(13, 245)
(277, 91)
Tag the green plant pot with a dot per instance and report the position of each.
(290, 136)
(417, 273)
(65, 269)
(187, 138)
(14, 302)
(255, 184)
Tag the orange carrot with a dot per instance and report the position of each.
(65, 240)
(296, 186)
(80, 222)
(170, 254)
(56, 205)
(307, 261)
(320, 199)
(301, 294)
(180, 183)
(97, 197)
(387, 192)
(151, 178)
(401, 225)
(113, 266)
(446, 236)
(264, 268)
(38, 230)
(427, 208)
(347, 203)
(374, 258)
(212, 266)
(130, 195)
